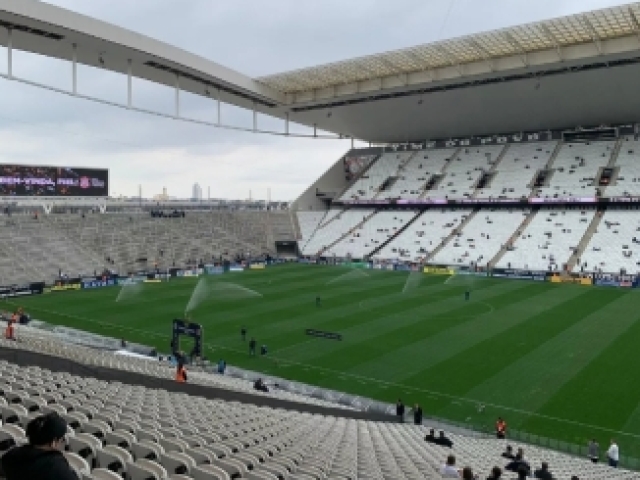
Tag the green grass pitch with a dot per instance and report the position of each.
(559, 361)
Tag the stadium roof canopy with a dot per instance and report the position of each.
(555, 74)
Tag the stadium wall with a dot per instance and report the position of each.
(334, 180)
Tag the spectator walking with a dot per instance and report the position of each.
(41, 458)
(400, 411)
(613, 454)
(594, 450)
(417, 415)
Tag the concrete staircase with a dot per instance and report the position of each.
(453, 234)
(492, 170)
(295, 225)
(389, 240)
(615, 153)
(517, 232)
(585, 240)
(443, 172)
(554, 155)
(398, 173)
(321, 224)
(548, 166)
(364, 220)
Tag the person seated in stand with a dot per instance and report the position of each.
(431, 436)
(449, 469)
(516, 463)
(523, 472)
(260, 386)
(444, 441)
(543, 472)
(496, 473)
(508, 453)
(467, 474)
(41, 458)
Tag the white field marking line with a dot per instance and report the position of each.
(360, 377)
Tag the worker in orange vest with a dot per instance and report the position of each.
(501, 428)
(181, 373)
(9, 332)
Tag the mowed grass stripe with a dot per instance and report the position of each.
(391, 354)
(542, 355)
(385, 323)
(288, 334)
(412, 363)
(605, 392)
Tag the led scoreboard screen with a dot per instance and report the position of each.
(41, 181)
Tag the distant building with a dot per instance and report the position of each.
(196, 196)
(161, 196)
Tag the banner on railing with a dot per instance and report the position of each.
(536, 275)
(110, 282)
(258, 266)
(576, 280)
(213, 269)
(439, 270)
(12, 291)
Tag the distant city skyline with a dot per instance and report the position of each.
(196, 192)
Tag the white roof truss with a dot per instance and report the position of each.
(596, 28)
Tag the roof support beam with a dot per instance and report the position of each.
(218, 107)
(592, 32)
(486, 57)
(554, 40)
(177, 100)
(521, 51)
(74, 69)
(129, 84)
(452, 59)
(9, 52)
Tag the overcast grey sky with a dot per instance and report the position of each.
(255, 37)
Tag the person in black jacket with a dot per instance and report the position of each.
(444, 441)
(518, 462)
(431, 436)
(417, 415)
(42, 458)
(400, 411)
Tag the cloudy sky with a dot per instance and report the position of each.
(254, 37)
